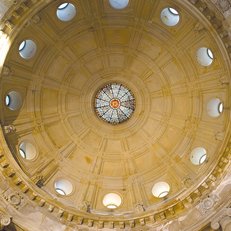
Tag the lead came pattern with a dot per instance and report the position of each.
(114, 103)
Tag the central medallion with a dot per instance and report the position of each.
(114, 103)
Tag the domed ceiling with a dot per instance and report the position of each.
(101, 98)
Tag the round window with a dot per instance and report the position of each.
(66, 12)
(112, 200)
(63, 187)
(170, 16)
(114, 103)
(160, 189)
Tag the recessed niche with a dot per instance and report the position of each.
(204, 56)
(27, 150)
(27, 49)
(13, 100)
(112, 200)
(63, 187)
(119, 4)
(198, 156)
(66, 12)
(160, 189)
(215, 107)
(170, 16)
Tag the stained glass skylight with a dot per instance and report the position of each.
(114, 103)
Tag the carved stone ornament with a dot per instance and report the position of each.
(86, 206)
(224, 5)
(9, 129)
(188, 182)
(15, 199)
(6, 71)
(207, 204)
(36, 19)
(5, 220)
(139, 208)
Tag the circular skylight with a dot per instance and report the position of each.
(27, 150)
(204, 56)
(160, 189)
(13, 100)
(112, 201)
(170, 16)
(215, 107)
(119, 4)
(27, 49)
(114, 103)
(198, 156)
(63, 187)
(66, 12)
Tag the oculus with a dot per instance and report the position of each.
(27, 49)
(66, 12)
(112, 200)
(198, 156)
(114, 103)
(169, 16)
(160, 189)
(27, 150)
(63, 187)
(119, 4)
(13, 100)
(204, 56)
(215, 107)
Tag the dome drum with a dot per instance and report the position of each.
(122, 106)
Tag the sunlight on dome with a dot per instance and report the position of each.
(160, 189)
(198, 156)
(169, 16)
(27, 49)
(63, 187)
(204, 56)
(13, 100)
(66, 12)
(119, 4)
(215, 107)
(27, 150)
(112, 201)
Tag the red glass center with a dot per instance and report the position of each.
(115, 103)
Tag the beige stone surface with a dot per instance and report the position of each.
(172, 90)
